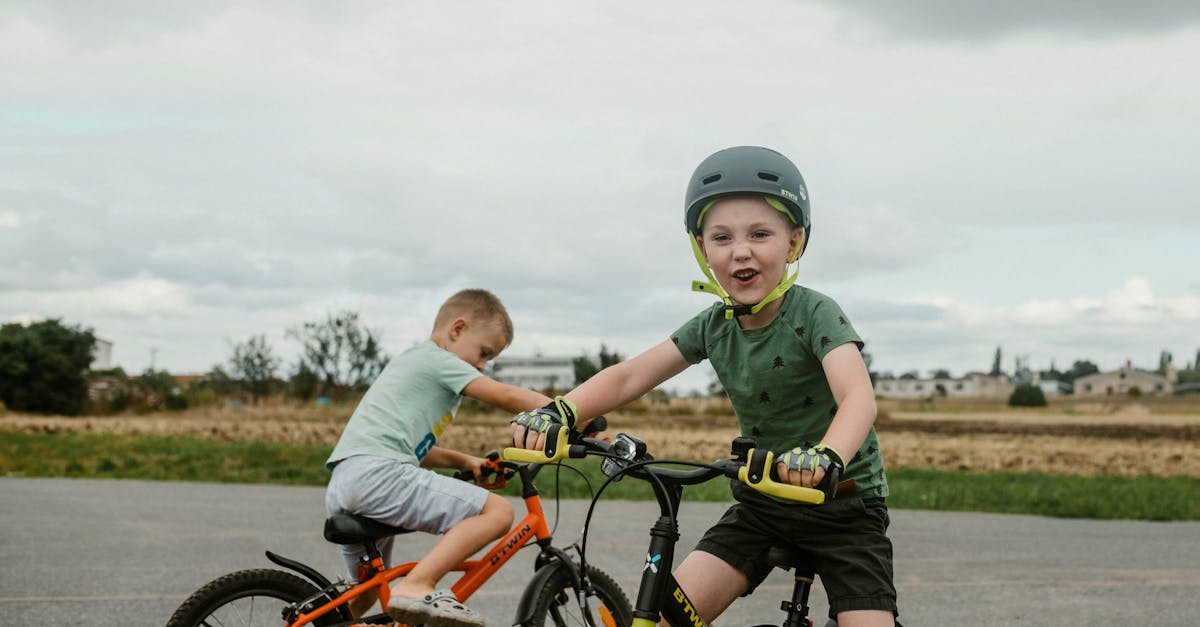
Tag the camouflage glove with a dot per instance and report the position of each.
(819, 456)
(555, 420)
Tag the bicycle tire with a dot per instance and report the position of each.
(556, 604)
(245, 598)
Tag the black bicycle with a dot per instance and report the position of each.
(659, 594)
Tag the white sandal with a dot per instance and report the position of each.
(439, 608)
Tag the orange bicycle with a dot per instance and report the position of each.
(560, 593)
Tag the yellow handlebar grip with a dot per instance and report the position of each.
(525, 456)
(558, 449)
(773, 488)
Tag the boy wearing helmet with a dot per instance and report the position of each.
(789, 360)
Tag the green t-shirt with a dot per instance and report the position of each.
(408, 406)
(775, 380)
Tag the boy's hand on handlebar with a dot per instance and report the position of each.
(531, 429)
(486, 473)
(819, 467)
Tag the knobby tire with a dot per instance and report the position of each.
(245, 599)
(557, 605)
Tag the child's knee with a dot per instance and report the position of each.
(499, 511)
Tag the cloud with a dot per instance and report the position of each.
(983, 20)
(137, 296)
(186, 173)
(1128, 321)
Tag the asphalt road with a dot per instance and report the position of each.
(128, 552)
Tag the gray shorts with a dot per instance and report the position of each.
(399, 494)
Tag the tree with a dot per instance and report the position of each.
(219, 381)
(1165, 359)
(1027, 395)
(996, 371)
(341, 353)
(940, 373)
(303, 383)
(254, 365)
(585, 368)
(43, 367)
(157, 389)
(868, 361)
(1081, 368)
(109, 391)
(715, 387)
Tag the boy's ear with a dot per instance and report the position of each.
(794, 244)
(457, 327)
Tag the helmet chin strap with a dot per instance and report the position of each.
(733, 309)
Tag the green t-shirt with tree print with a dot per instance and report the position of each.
(774, 378)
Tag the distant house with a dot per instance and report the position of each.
(971, 385)
(1052, 387)
(536, 373)
(101, 355)
(1124, 381)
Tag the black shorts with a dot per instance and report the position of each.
(845, 539)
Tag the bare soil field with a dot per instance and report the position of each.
(1080, 439)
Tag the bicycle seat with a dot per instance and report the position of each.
(355, 529)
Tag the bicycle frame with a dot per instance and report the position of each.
(532, 528)
(659, 594)
(653, 596)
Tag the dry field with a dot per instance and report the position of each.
(1079, 439)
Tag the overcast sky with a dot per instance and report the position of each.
(180, 176)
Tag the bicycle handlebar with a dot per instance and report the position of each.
(754, 471)
(493, 466)
(560, 447)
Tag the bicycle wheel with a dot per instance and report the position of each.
(245, 599)
(557, 605)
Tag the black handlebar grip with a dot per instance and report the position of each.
(598, 424)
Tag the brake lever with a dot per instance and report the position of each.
(492, 467)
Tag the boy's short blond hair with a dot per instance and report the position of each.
(476, 305)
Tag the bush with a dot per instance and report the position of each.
(1027, 395)
(42, 367)
(155, 390)
(109, 391)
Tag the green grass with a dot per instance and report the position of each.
(196, 459)
(124, 456)
(1140, 498)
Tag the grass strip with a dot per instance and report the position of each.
(127, 456)
(163, 458)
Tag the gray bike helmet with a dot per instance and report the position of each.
(747, 170)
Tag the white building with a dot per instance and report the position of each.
(536, 373)
(972, 385)
(102, 355)
(1124, 381)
